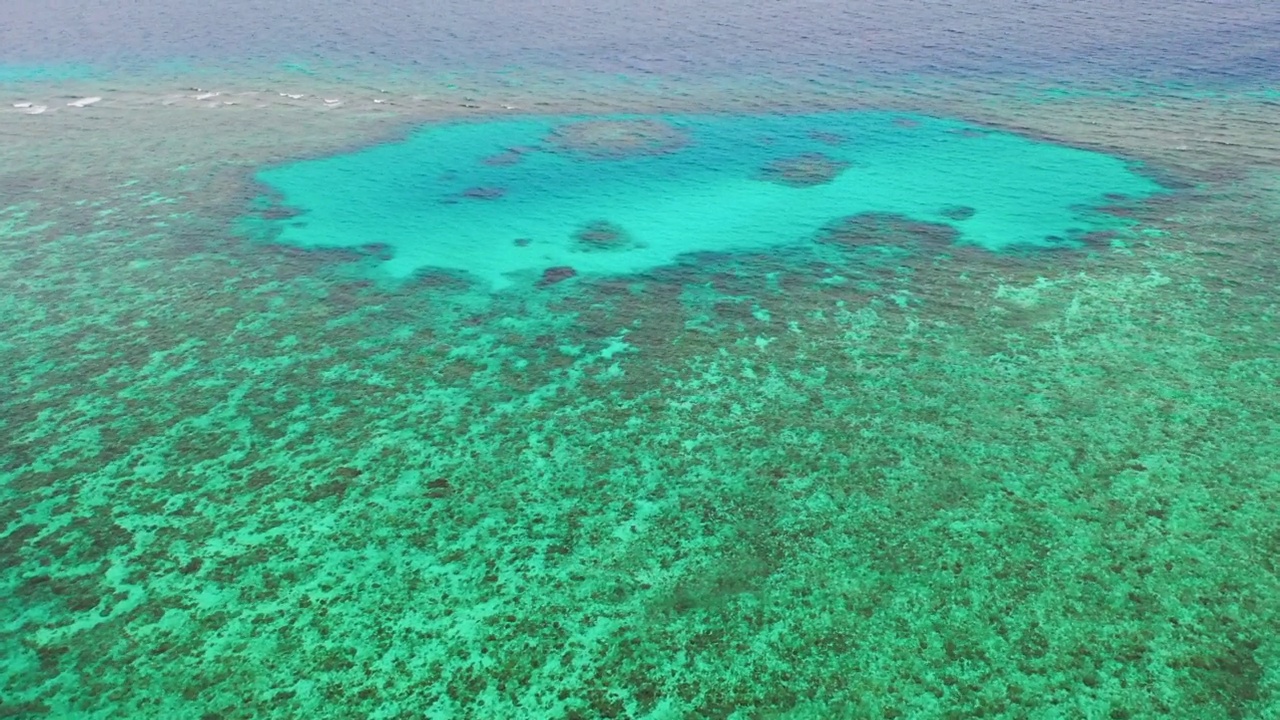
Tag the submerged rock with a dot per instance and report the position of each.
(807, 170)
(618, 139)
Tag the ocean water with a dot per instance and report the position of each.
(716, 360)
(460, 198)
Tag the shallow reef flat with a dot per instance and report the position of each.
(875, 467)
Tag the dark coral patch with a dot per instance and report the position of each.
(958, 212)
(801, 171)
(733, 311)
(882, 228)
(601, 235)
(557, 274)
(1098, 238)
(440, 487)
(1130, 212)
(333, 488)
(441, 280)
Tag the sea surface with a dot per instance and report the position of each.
(660, 360)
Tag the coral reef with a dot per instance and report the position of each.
(601, 235)
(554, 275)
(801, 171)
(881, 228)
(246, 480)
(1010, 490)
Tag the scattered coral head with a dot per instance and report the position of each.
(509, 156)
(958, 212)
(476, 193)
(885, 228)
(602, 235)
(801, 171)
(618, 139)
(553, 275)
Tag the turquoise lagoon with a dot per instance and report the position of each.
(504, 200)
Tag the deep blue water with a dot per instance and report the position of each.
(1148, 40)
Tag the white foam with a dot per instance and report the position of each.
(84, 102)
(22, 105)
(206, 96)
(36, 109)
(293, 97)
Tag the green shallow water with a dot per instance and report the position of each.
(1003, 447)
(703, 187)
